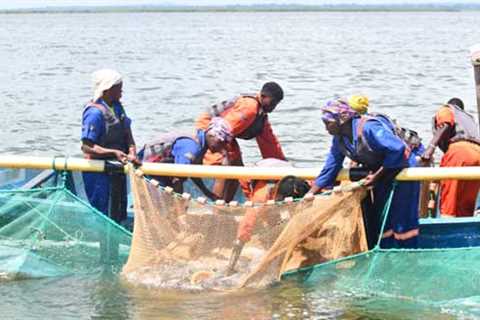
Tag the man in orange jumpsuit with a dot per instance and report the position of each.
(456, 134)
(247, 116)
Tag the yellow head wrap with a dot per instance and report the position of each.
(358, 103)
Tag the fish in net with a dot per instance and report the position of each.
(185, 243)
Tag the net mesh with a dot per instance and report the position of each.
(432, 276)
(180, 242)
(51, 232)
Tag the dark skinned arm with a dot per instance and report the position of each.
(313, 190)
(386, 174)
(132, 149)
(199, 183)
(98, 152)
(177, 185)
(439, 133)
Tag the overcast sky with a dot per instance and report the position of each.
(15, 4)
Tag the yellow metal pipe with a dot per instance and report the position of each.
(56, 163)
(230, 172)
(162, 169)
(445, 173)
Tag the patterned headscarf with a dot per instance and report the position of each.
(337, 110)
(220, 129)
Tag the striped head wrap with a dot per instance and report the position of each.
(337, 110)
(220, 129)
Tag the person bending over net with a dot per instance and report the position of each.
(247, 115)
(187, 148)
(289, 186)
(372, 142)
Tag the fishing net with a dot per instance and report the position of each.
(445, 277)
(431, 276)
(51, 232)
(179, 242)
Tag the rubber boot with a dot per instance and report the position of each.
(236, 250)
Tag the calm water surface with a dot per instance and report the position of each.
(177, 64)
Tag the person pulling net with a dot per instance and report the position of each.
(262, 191)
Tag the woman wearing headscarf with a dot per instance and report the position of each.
(371, 141)
(186, 148)
(107, 135)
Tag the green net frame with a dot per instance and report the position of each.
(430, 277)
(49, 231)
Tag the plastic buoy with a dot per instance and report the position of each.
(288, 199)
(309, 197)
(248, 204)
(200, 276)
(168, 189)
(186, 196)
(155, 183)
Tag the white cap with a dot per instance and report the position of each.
(475, 54)
(103, 80)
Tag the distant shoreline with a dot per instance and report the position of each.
(253, 8)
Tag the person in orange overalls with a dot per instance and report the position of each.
(456, 134)
(247, 116)
(260, 191)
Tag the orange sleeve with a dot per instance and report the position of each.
(268, 143)
(444, 116)
(203, 121)
(241, 115)
(246, 188)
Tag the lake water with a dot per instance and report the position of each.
(177, 64)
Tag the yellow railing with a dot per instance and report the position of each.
(161, 169)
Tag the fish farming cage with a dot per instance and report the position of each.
(47, 230)
(441, 272)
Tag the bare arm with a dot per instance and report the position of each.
(177, 185)
(132, 149)
(427, 155)
(199, 183)
(98, 152)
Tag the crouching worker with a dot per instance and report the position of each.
(188, 149)
(261, 191)
(371, 141)
(456, 134)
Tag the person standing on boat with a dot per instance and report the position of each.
(107, 135)
(456, 134)
(188, 149)
(247, 115)
(371, 142)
